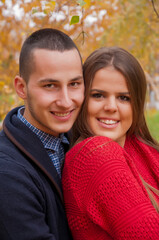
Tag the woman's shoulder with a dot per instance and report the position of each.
(94, 159)
(135, 143)
(96, 145)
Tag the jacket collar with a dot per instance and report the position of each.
(32, 147)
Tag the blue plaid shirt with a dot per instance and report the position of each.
(52, 144)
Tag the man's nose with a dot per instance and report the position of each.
(64, 99)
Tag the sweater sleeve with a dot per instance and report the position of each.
(114, 197)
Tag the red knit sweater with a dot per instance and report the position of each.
(104, 196)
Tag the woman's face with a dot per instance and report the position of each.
(109, 105)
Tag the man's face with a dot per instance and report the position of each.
(55, 90)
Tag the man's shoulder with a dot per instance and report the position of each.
(4, 141)
(8, 150)
(10, 154)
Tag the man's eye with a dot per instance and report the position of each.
(49, 85)
(124, 98)
(74, 84)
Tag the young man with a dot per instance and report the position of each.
(33, 143)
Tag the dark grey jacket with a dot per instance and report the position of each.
(31, 200)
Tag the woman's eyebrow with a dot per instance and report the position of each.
(101, 91)
(97, 90)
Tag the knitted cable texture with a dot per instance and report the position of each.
(103, 193)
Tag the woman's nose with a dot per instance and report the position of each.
(110, 104)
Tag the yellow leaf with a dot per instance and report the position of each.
(88, 3)
(1, 85)
(50, 5)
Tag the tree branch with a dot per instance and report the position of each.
(153, 4)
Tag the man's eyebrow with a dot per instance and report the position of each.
(48, 80)
(126, 93)
(77, 78)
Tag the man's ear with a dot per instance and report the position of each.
(20, 87)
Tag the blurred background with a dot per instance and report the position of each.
(133, 25)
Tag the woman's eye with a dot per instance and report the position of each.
(125, 98)
(96, 95)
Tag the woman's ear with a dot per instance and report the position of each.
(20, 87)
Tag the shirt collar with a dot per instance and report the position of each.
(49, 141)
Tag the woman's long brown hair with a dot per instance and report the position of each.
(130, 68)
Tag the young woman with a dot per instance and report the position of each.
(111, 174)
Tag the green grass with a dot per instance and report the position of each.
(152, 118)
